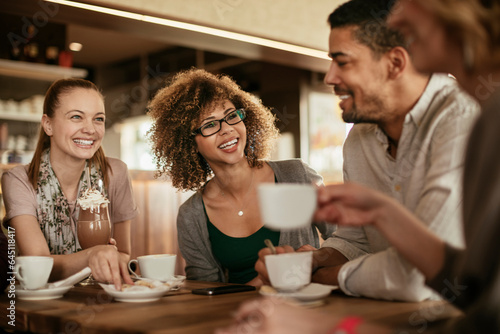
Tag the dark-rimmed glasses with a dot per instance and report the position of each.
(212, 127)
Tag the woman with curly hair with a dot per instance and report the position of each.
(212, 137)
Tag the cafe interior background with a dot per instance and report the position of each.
(275, 49)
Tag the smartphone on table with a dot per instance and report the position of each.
(219, 290)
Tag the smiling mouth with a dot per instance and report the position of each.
(229, 144)
(344, 97)
(83, 142)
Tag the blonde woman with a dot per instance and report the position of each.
(40, 198)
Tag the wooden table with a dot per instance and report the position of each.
(89, 309)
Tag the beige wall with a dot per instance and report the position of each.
(301, 22)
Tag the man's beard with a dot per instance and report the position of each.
(369, 115)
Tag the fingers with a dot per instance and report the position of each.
(258, 308)
(345, 192)
(125, 273)
(107, 267)
(278, 316)
(115, 273)
(246, 309)
(284, 249)
(260, 265)
(329, 193)
(264, 315)
(328, 212)
(306, 248)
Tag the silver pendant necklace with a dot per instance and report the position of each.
(241, 211)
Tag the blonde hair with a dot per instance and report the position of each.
(473, 23)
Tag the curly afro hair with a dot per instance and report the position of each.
(176, 111)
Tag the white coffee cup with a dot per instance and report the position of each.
(289, 271)
(157, 266)
(287, 205)
(33, 272)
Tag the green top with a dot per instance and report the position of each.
(238, 255)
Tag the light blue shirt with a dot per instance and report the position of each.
(425, 177)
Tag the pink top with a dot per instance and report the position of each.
(21, 199)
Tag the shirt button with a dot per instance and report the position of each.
(397, 187)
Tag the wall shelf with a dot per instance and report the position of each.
(38, 71)
(35, 118)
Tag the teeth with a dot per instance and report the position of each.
(229, 143)
(83, 142)
(344, 97)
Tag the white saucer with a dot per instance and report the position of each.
(41, 294)
(311, 292)
(136, 296)
(175, 281)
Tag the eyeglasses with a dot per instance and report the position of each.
(212, 127)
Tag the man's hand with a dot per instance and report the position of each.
(327, 262)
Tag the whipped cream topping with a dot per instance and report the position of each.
(91, 199)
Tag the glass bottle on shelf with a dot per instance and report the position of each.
(31, 48)
(52, 55)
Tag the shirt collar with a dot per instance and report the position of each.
(436, 83)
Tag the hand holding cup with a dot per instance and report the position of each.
(290, 271)
(286, 206)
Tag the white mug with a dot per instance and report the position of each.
(158, 266)
(33, 272)
(289, 271)
(287, 205)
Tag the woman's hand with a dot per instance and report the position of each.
(277, 316)
(260, 265)
(109, 265)
(306, 248)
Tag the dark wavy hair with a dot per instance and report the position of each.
(369, 18)
(176, 111)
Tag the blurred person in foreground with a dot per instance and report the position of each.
(212, 137)
(461, 37)
(408, 141)
(40, 198)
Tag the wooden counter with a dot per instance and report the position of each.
(88, 310)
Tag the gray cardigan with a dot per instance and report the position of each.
(192, 229)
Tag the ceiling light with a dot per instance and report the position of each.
(198, 28)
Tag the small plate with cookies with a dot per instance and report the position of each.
(142, 291)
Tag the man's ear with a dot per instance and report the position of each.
(47, 125)
(398, 60)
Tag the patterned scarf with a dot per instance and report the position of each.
(56, 220)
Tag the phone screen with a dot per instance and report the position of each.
(223, 289)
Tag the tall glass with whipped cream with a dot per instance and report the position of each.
(93, 227)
